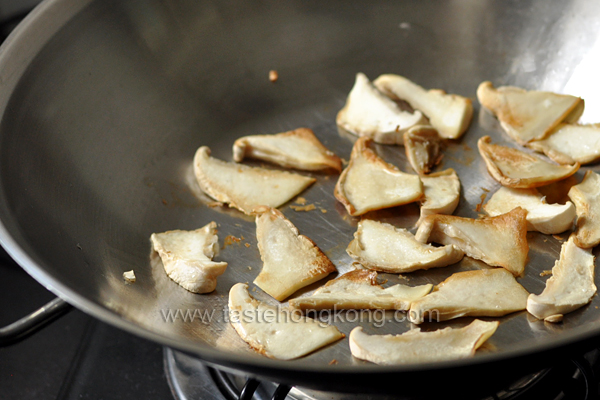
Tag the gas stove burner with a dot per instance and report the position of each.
(190, 379)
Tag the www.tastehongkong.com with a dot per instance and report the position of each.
(377, 318)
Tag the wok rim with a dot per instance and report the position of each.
(38, 23)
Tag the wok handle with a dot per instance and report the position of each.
(27, 325)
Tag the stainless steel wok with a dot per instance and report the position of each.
(104, 103)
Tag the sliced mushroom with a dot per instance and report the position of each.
(276, 332)
(450, 114)
(383, 247)
(586, 197)
(570, 287)
(441, 193)
(416, 346)
(187, 257)
(529, 115)
(541, 216)
(480, 293)
(298, 149)
(517, 169)
(369, 183)
(423, 148)
(370, 113)
(359, 289)
(498, 241)
(571, 143)
(243, 187)
(290, 260)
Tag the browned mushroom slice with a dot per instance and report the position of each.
(498, 241)
(450, 114)
(541, 216)
(517, 169)
(571, 143)
(416, 346)
(423, 148)
(441, 193)
(187, 257)
(278, 333)
(369, 183)
(290, 260)
(480, 293)
(383, 247)
(570, 287)
(359, 289)
(529, 115)
(298, 149)
(243, 187)
(370, 113)
(586, 197)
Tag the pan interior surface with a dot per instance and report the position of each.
(98, 135)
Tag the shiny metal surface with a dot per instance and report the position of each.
(104, 105)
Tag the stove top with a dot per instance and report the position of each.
(79, 357)
(75, 356)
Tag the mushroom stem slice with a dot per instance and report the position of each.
(187, 257)
(541, 216)
(570, 287)
(586, 197)
(278, 333)
(244, 187)
(441, 193)
(370, 113)
(517, 169)
(383, 247)
(290, 261)
(571, 143)
(415, 346)
(450, 114)
(359, 289)
(480, 293)
(423, 148)
(369, 183)
(499, 241)
(529, 115)
(298, 149)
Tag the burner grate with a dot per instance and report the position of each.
(575, 378)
